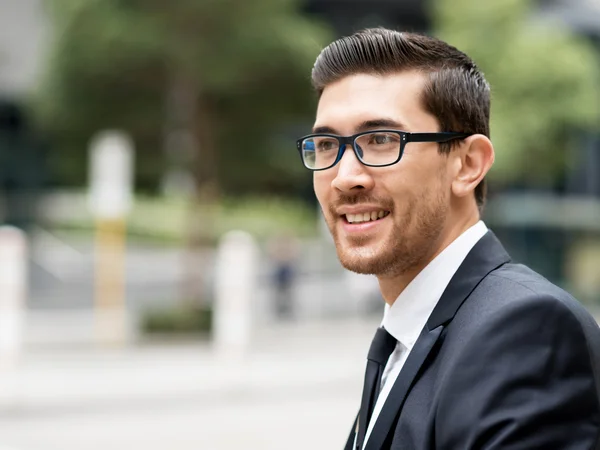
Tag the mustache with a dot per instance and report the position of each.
(357, 199)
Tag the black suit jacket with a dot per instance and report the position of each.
(506, 361)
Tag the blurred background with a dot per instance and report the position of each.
(166, 280)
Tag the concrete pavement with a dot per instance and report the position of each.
(298, 388)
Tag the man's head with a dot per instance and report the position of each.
(382, 79)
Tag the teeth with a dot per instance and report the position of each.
(365, 217)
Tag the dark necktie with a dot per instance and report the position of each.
(381, 348)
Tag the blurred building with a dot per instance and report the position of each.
(347, 16)
(23, 39)
(23, 44)
(583, 16)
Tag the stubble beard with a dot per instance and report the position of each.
(409, 244)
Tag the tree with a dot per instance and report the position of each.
(545, 83)
(230, 73)
(213, 82)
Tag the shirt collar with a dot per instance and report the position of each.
(408, 314)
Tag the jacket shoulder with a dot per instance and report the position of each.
(516, 285)
(511, 352)
(516, 293)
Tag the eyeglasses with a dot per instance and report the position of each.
(372, 148)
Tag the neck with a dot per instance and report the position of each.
(392, 286)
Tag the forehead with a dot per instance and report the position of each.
(355, 99)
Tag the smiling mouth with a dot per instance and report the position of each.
(365, 217)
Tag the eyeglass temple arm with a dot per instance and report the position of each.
(434, 137)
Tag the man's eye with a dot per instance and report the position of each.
(326, 145)
(382, 138)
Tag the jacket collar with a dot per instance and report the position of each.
(487, 255)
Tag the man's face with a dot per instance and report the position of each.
(413, 195)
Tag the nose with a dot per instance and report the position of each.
(351, 174)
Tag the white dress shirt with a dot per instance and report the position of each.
(409, 313)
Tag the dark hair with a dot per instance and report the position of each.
(456, 92)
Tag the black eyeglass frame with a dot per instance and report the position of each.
(405, 138)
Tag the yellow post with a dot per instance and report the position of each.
(109, 301)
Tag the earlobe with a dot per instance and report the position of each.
(476, 158)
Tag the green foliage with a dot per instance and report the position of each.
(260, 216)
(177, 319)
(159, 220)
(113, 62)
(545, 83)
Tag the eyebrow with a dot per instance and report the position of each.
(364, 126)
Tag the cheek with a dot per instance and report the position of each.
(321, 186)
(398, 186)
(411, 188)
(427, 173)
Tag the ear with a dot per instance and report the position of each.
(475, 158)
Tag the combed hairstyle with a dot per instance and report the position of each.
(456, 92)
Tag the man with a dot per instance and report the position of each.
(475, 351)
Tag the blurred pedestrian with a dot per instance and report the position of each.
(283, 250)
(474, 351)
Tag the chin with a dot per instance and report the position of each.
(361, 268)
(366, 260)
(391, 257)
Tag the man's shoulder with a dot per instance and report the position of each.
(518, 333)
(513, 306)
(516, 284)
(515, 290)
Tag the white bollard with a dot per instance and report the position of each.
(235, 290)
(13, 292)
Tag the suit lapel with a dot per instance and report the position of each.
(487, 255)
(404, 382)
